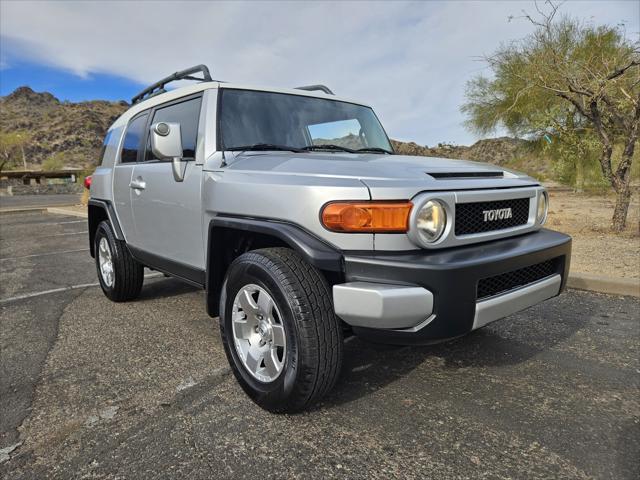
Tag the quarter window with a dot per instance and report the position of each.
(103, 149)
(187, 114)
(133, 139)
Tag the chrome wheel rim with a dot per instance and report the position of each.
(105, 262)
(258, 333)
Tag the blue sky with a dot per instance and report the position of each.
(409, 60)
(66, 85)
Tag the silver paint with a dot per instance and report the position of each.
(501, 306)
(378, 305)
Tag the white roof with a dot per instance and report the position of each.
(199, 87)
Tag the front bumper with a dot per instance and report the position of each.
(423, 297)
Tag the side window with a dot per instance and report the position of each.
(187, 114)
(103, 149)
(133, 139)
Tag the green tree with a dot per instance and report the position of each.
(12, 149)
(574, 82)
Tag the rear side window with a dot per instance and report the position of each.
(103, 149)
(133, 139)
(187, 114)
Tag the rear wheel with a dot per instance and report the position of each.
(279, 331)
(119, 274)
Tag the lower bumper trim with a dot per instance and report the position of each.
(503, 305)
(378, 305)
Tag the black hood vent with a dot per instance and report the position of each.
(463, 175)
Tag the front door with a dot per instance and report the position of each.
(168, 214)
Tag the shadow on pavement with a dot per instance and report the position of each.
(369, 367)
(165, 288)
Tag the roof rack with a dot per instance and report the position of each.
(158, 87)
(316, 88)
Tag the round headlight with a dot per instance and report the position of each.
(543, 207)
(431, 221)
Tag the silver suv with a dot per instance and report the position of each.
(294, 214)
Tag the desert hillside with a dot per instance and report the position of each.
(504, 151)
(52, 127)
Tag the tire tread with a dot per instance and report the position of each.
(129, 274)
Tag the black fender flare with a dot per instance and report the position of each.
(317, 252)
(110, 213)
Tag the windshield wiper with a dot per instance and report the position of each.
(375, 149)
(329, 146)
(264, 146)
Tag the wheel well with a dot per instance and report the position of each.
(226, 244)
(96, 215)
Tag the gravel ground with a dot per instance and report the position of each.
(95, 389)
(596, 250)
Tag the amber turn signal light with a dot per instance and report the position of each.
(372, 217)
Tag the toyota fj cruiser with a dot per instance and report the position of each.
(291, 209)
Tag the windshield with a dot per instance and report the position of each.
(262, 119)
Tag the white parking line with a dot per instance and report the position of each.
(61, 234)
(52, 223)
(47, 292)
(44, 254)
(63, 289)
(63, 223)
(46, 236)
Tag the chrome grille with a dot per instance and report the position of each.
(470, 217)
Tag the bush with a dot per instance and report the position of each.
(55, 162)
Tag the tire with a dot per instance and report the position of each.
(127, 274)
(312, 354)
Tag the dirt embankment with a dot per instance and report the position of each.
(597, 250)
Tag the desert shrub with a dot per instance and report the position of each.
(54, 162)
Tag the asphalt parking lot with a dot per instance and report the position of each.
(93, 389)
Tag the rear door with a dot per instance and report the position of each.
(132, 148)
(167, 213)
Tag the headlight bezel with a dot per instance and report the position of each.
(542, 196)
(416, 235)
(439, 212)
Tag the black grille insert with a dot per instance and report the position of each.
(488, 287)
(488, 216)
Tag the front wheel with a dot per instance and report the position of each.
(279, 330)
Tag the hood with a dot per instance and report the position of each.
(386, 176)
(361, 166)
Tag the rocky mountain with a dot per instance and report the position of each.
(492, 150)
(74, 133)
(514, 153)
(74, 130)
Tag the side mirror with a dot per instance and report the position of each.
(166, 144)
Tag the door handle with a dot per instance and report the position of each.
(138, 184)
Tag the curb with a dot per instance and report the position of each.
(65, 211)
(30, 209)
(15, 211)
(612, 286)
